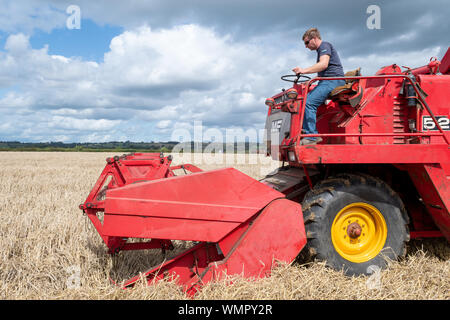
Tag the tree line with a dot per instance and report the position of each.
(128, 146)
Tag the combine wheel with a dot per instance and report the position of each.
(355, 223)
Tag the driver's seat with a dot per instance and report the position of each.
(349, 90)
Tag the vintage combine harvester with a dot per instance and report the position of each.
(380, 176)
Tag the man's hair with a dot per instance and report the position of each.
(312, 33)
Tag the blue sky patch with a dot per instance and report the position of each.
(90, 42)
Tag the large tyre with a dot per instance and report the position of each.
(355, 222)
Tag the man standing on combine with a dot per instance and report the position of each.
(328, 65)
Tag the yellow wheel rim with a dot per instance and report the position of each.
(359, 232)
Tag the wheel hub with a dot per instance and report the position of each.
(354, 230)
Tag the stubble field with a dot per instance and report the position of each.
(49, 250)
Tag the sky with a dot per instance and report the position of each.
(97, 71)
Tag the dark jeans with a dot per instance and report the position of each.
(314, 99)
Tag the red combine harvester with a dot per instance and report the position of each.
(380, 176)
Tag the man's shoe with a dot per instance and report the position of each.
(306, 141)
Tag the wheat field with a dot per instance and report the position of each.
(49, 250)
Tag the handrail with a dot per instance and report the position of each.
(419, 96)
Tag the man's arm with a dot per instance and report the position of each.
(319, 66)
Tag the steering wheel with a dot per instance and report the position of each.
(297, 78)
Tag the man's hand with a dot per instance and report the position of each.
(319, 66)
(298, 70)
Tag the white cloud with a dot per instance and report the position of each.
(17, 44)
(163, 124)
(82, 124)
(29, 15)
(398, 40)
(168, 57)
(372, 63)
(167, 76)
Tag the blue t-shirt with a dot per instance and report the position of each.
(335, 68)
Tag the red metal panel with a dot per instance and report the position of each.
(431, 182)
(203, 206)
(438, 97)
(205, 209)
(221, 195)
(166, 228)
(251, 250)
(278, 234)
(408, 153)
